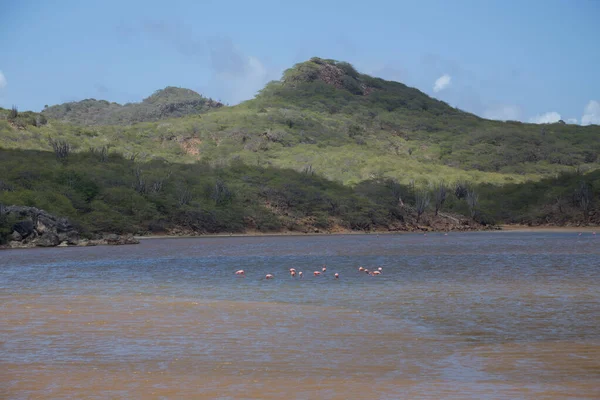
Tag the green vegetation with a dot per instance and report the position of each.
(313, 116)
(324, 147)
(170, 102)
(114, 194)
(102, 194)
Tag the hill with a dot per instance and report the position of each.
(170, 102)
(347, 127)
(322, 128)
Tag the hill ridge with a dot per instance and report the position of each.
(312, 118)
(170, 102)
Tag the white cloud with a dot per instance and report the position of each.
(237, 86)
(3, 81)
(546, 118)
(442, 83)
(572, 121)
(591, 113)
(254, 78)
(503, 113)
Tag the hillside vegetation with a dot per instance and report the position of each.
(106, 193)
(170, 102)
(347, 127)
(323, 147)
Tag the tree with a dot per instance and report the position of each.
(183, 194)
(61, 148)
(397, 191)
(584, 195)
(40, 120)
(440, 191)
(461, 190)
(422, 200)
(101, 153)
(221, 193)
(139, 183)
(13, 114)
(472, 201)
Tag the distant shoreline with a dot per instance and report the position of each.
(503, 228)
(548, 228)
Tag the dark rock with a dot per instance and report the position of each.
(64, 226)
(24, 228)
(38, 228)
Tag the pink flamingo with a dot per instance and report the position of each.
(324, 268)
(336, 275)
(366, 270)
(300, 274)
(361, 269)
(317, 273)
(292, 269)
(293, 273)
(269, 276)
(376, 272)
(380, 269)
(240, 272)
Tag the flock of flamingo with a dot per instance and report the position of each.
(293, 272)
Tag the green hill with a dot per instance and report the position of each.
(170, 102)
(347, 126)
(352, 134)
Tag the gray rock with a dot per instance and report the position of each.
(113, 239)
(69, 237)
(44, 224)
(49, 239)
(16, 236)
(38, 228)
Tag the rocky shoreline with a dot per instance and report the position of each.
(33, 227)
(37, 228)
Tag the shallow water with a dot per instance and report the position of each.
(478, 315)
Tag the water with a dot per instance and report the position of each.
(479, 315)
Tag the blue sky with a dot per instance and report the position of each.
(526, 60)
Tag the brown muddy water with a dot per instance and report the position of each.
(463, 316)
